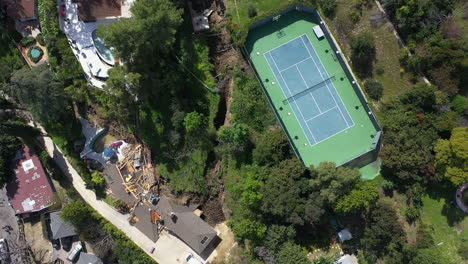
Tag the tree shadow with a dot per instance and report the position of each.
(450, 210)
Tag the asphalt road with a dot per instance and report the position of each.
(8, 225)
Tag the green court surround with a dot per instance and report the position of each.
(341, 148)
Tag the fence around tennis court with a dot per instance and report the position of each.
(375, 147)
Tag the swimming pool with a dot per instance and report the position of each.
(103, 51)
(35, 52)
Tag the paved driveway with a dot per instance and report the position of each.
(8, 220)
(168, 249)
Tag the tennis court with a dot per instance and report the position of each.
(309, 89)
(313, 93)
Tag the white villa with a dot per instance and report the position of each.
(79, 21)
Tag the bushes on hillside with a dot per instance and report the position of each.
(40, 39)
(47, 10)
(459, 104)
(26, 41)
(374, 89)
(328, 7)
(363, 53)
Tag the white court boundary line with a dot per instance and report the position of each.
(321, 75)
(321, 113)
(323, 79)
(311, 95)
(264, 54)
(349, 126)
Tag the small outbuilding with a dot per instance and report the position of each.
(59, 227)
(344, 235)
(87, 258)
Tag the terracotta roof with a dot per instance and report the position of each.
(31, 190)
(21, 9)
(92, 10)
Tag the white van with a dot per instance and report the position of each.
(192, 260)
(75, 252)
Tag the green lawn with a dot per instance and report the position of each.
(238, 10)
(387, 47)
(449, 223)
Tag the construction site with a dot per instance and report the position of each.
(134, 181)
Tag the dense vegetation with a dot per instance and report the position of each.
(108, 242)
(165, 95)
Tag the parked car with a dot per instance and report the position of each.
(192, 260)
(75, 252)
(66, 243)
(56, 243)
(4, 251)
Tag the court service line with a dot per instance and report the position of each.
(344, 119)
(334, 87)
(321, 113)
(287, 96)
(321, 75)
(294, 102)
(295, 64)
(282, 45)
(318, 107)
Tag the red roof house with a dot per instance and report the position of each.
(22, 10)
(31, 191)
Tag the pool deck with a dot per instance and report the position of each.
(79, 36)
(340, 148)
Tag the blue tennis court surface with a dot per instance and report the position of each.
(319, 108)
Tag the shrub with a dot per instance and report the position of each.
(463, 251)
(363, 53)
(27, 41)
(328, 7)
(459, 104)
(252, 11)
(38, 58)
(354, 15)
(40, 39)
(374, 89)
(387, 186)
(411, 214)
(379, 70)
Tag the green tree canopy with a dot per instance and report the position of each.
(8, 146)
(285, 191)
(361, 198)
(37, 90)
(291, 253)
(333, 182)
(233, 138)
(452, 156)
(122, 93)
(150, 30)
(193, 122)
(384, 233)
(363, 53)
(277, 235)
(271, 148)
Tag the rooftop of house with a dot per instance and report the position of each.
(86, 258)
(31, 190)
(92, 10)
(21, 9)
(59, 227)
(183, 223)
